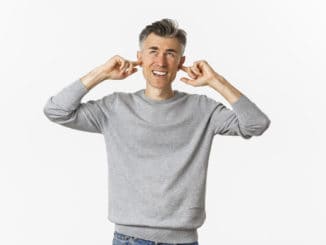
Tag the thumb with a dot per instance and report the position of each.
(184, 79)
(188, 81)
(184, 68)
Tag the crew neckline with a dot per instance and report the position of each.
(142, 94)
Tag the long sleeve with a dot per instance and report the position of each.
(245, 120)
(65, 108)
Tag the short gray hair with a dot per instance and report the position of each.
(164, 28)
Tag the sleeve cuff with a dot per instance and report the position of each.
(243, 104)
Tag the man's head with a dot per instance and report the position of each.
(162, 45)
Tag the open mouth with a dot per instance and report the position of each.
(159, 73)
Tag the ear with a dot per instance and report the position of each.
(182, 61)
(140, 58)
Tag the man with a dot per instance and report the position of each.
(157, 139)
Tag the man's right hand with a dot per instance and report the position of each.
(116, 68)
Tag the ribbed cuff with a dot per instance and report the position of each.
(244, 107)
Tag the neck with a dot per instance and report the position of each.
(159, 93)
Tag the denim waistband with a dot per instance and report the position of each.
(154, 239)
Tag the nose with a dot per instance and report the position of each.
(160, 60)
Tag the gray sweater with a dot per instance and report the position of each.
(157, 153)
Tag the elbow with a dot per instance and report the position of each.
(50, 114)
(262, 126)
(47, 110)
(257, 128)
(56, 114)
(50, 111)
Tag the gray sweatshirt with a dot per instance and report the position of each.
(157, 153)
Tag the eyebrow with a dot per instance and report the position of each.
(169, 49)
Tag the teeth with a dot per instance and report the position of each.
(160, 73)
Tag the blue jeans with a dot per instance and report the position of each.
(122, 239)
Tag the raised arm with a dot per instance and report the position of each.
(65, 108)
(245, 120)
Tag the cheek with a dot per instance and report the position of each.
(174, 69)
(146, 64)
(174, 65)
(147, 59)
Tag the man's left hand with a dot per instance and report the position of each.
(201, 74)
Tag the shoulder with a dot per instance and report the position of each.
(124, 96)
(203, 99)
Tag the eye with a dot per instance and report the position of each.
(171, 54)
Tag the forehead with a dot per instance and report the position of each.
(164, 43)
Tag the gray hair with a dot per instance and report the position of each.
(164, 28)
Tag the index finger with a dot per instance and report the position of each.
(184, 68)
(135, 63)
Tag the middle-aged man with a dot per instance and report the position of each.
(158, 140)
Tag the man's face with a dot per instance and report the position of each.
(160, 59)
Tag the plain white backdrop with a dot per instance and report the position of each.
(263, 191)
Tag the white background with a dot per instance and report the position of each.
(267, 190)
